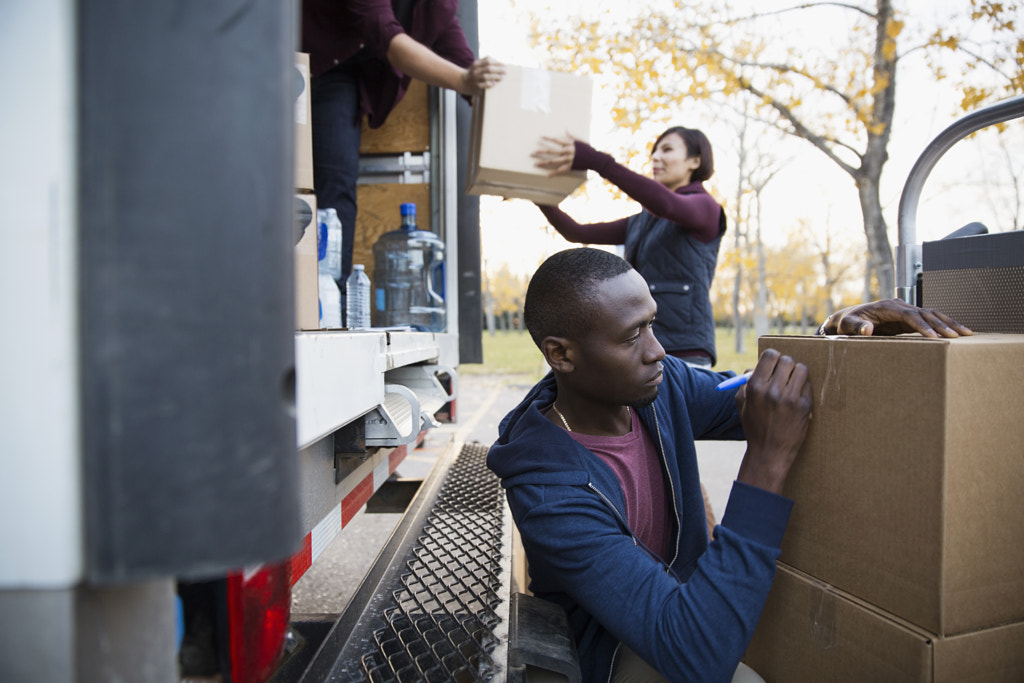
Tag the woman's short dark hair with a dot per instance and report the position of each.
(562, 287)
(697, 145)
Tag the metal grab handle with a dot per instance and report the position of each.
(453, 379)
(908, 251)
(383, 426)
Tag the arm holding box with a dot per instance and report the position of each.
(611, 232)
(419, 61)
(694, 212)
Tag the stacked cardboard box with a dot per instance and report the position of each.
(811, 631)
(307, 296)
(303, 126)
(905, 540)
(509, 121)
(307, 304)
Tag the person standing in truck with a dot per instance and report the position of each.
(362, 56)
(600, 472)
(673, 242)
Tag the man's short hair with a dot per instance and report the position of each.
(561, 291)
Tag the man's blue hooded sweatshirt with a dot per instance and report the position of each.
(692, 618)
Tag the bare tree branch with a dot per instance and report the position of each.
(786, 68)
(785, 10)
(804, 132)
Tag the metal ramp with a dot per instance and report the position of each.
(436, 604)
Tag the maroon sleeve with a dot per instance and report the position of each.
(375, 23)
(449, 40)
(696, 213)
(612, 232)
(434, 24)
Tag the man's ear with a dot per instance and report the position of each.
(559, 353)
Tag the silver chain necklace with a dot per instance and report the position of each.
(566, 422)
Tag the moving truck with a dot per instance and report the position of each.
(177, 449)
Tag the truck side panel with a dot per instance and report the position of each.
(186, 287)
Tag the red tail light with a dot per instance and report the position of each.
(259, 606)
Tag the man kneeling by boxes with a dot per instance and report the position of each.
(600, 471)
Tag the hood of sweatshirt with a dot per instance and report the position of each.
(530, 448)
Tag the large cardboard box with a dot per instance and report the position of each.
(307, 299)
(810, 631)
(508, 123)
(908, 488)
(303, 126)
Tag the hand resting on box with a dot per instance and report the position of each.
(890, 317)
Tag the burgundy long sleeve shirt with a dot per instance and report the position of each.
(358, 33)
(691, 207)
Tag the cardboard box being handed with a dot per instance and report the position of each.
(508, 123)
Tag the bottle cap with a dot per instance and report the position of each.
(358, 266)
(408, 209)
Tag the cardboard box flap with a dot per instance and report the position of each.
(506, 183)
(811, 631)
(994, 655)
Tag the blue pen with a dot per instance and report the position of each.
(735, 382)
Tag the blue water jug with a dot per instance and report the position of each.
(408, 277)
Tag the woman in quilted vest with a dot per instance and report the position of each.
(674, 240)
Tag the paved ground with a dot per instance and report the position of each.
(483, 402)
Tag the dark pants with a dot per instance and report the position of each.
(336, 135)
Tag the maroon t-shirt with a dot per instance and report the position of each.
(634, 459)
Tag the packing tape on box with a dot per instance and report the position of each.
(823, 616)
(832, 392)
(535, 93)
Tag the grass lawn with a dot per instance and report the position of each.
(513, 353)
(508, 353)
(728, 357)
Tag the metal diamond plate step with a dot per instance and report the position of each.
(435, 607)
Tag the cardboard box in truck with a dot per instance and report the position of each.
(303, 126)
(307, 299)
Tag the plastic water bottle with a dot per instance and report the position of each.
(327, 282)
(409, 277)
(330, 302)
(357, 301)
(331, 263)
